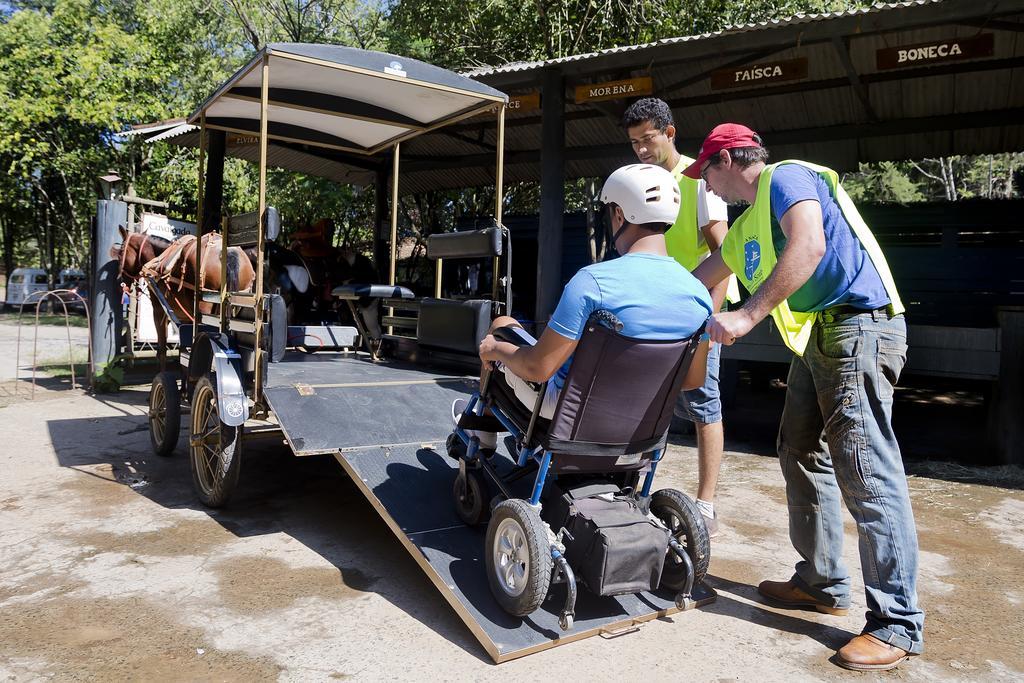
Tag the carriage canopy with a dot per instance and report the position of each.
(341, 98)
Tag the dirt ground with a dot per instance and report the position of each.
(110, 569)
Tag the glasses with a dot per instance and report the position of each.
(646, 140)
(712, 161)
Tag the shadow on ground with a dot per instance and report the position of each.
(309, 499)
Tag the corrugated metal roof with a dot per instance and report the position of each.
(728, 30)
(970, 106)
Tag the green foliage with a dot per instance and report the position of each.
(886, 182)
(992, 176)
(492, 32)
(109, 378)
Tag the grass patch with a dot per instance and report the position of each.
(29, 319)
(60, 370)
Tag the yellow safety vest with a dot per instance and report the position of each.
(749, 252)
(683, 239)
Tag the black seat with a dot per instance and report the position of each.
(359, 291)
(366, 315)
(616, 405)
(455, 326)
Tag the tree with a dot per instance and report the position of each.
(75, 71)
(885, 182)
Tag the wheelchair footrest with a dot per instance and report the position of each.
(483, 423)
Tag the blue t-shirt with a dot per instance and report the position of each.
(845, 274)
(653, 296)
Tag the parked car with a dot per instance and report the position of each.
(25, 284)
(75, 282)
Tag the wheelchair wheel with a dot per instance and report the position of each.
(471, 501)
(518, 557)
(685, 523)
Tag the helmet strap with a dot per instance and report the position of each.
(615, 237)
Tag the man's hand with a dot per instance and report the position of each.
(488, 348)
(726, 328)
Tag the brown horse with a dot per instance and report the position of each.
(173, 266)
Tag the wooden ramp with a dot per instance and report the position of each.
(386, 424)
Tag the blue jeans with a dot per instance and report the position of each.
(703, 404)
(836, 443)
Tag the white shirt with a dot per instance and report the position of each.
(710, 207)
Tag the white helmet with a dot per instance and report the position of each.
(646, 193)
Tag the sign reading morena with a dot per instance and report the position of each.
(614, 90)
(935, 52)
(759, 74)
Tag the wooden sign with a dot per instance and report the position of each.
(935, 52)
(614, 90)
(517, 104)
(243, 140)
(761, 73)
(521, 104)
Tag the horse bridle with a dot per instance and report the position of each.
(124, 250)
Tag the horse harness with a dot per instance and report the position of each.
(163, 266)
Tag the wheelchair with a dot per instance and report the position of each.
(589, 516)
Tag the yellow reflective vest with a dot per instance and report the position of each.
(683, 239)
(749, 252)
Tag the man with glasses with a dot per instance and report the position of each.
(699, 229)
(807, 257)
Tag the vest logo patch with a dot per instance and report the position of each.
(751, 258)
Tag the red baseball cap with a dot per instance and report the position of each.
(722, 136)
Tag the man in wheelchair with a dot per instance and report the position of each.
(593, 395)
(644, 289)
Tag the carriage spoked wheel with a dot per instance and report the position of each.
(164, 413)
(215, 449)
(684, 521)
(518, 557)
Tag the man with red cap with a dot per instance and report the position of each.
(808, 259)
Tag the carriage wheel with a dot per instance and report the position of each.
(215, 449)
(164, 413)
(684, 521)
(518, 557)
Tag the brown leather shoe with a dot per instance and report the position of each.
(788, 594)
(867, 653)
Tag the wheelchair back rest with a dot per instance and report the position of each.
(456, 326)
(620, 390)
(243, 229)
(466, 244)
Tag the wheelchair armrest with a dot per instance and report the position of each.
(515, 335)
(520, 337)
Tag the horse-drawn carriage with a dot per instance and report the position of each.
(380, 402)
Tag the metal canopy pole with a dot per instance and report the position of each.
(261, 230)
(213, 196)
(394, 225)
(200, 222)
(498, 201)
